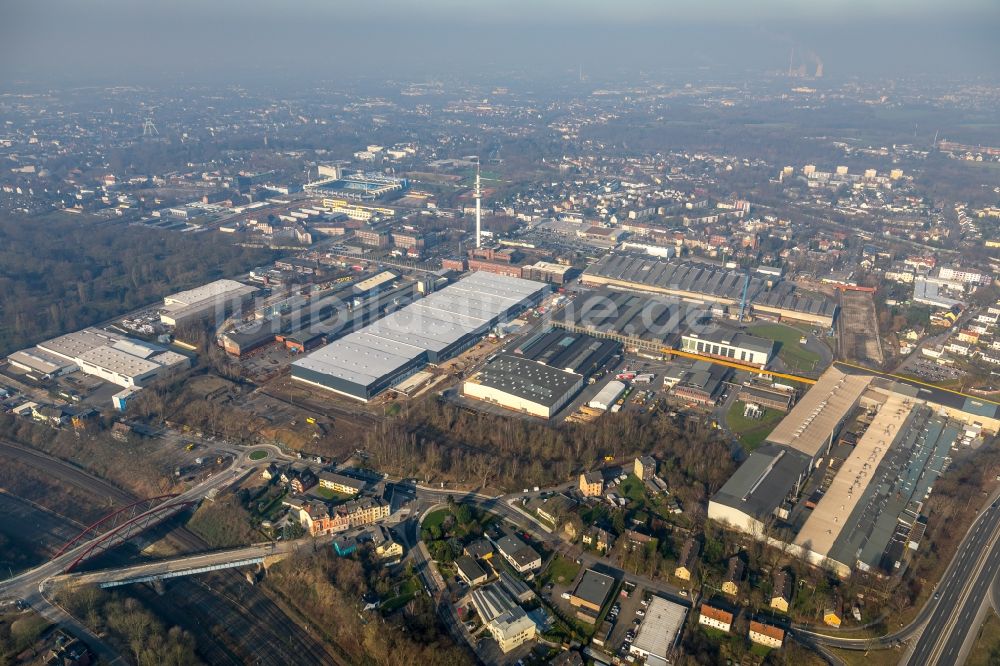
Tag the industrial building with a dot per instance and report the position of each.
(709, 283)
(643, 322)
(850, 500)
(728, 343)
(607, 396)
(573, 352)
(544, 271)
(765, 397)
(701, 383)
(524, 386)
(659, 632)
(215, 299)
(431, 330)
(109, 356)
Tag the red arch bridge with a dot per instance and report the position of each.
(121, 525)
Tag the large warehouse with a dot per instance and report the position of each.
(852, 501)
(708, 283)
(112, 357)
(218, 299)
(445, 323)
(525, 386)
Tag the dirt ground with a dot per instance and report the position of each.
(858, 324)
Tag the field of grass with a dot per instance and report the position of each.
(435, 518)
(986, 650)
(793, 355)
(751, 431)
(561, 570)
(259, 454)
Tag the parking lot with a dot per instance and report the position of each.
(928, 369)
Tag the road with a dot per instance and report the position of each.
(30, 585)
(962, 594)
(174, 565)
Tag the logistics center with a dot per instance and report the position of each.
(445, 323)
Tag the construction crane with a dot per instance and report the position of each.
(743, 298)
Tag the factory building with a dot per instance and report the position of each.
(109, 356)
(431, 330)
(215, 299)
(573, 352)
(525, 386)
(545, 271)
(659, 631)
(850, 500)
(708, 283)
(645, 322)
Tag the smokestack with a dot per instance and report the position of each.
(479, 214)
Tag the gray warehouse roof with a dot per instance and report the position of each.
(527, 379)
(763, 481)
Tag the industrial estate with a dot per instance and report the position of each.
(637, 370)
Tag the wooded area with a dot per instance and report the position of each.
(61, 275)
(438, 438)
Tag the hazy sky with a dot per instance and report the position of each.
(66, 41)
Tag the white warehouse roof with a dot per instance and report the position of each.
(223, 288)
(431, 324)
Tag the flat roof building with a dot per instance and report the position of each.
(524, 386)
(811, 426)
(659, 631)
(218, 299)
(109, 356)
(728, 343)
(592, 593)
(431, 330)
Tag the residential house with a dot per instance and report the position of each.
(518, 554)
(599, 538)
(688, 559)
(339, 483)
(635, 539)
(591, 484)
(832, 617)
(270, 472)
(734, 575)
(299, 478)
(767, 635)
(470, 571)
(716, 618)
(480, 549)
(644, 467)
(781, 596)
(386, 547)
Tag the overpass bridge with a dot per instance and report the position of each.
(186, 565)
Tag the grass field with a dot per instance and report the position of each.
(986, 650)
(792, 354)
(560, 570)
(751, 431)
(259, 454)
(436, 518)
